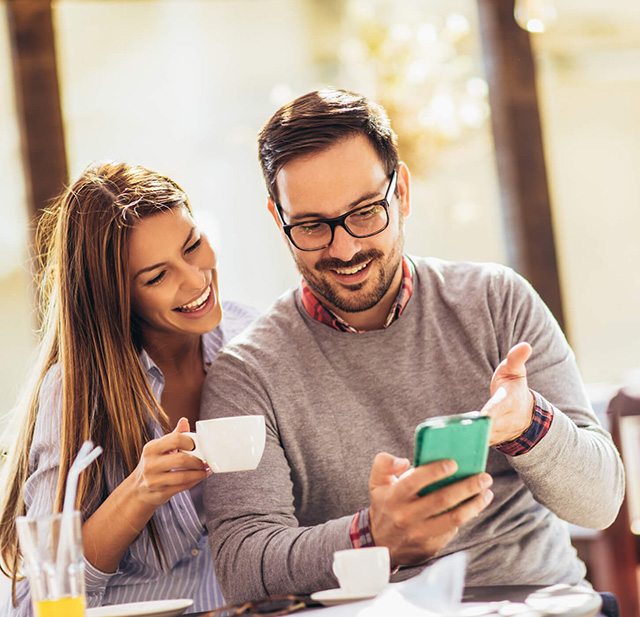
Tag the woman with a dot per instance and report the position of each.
(131, 322)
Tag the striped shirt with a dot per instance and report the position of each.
(140, 575)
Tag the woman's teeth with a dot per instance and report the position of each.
(196, 304)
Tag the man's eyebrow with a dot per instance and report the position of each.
(317, 215)
(163, 263)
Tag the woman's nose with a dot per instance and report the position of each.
(194, 277)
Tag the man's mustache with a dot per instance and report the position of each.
(356, 260)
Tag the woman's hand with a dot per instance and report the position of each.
(164, 471)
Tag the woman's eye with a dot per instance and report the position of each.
(194, 246)
(155, 280)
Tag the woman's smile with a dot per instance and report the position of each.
(198, 307)
(174, 286)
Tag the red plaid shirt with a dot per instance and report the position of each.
(540, 424)
(360, 530)
(322, 314)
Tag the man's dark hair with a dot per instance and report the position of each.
(317, 120)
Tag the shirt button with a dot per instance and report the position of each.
(194, 551)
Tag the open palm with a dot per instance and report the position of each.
(511, 402)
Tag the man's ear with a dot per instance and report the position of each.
(404, 188)
(271, 205)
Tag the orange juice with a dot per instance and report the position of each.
(64, 607)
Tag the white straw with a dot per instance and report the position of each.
(86, 455)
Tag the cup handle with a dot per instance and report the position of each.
(196, 450)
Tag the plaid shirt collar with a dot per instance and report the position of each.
(321, 313)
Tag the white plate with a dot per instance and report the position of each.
(565, 600)
(156, 608)
(333, 597)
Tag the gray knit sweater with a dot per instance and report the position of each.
(332, 400)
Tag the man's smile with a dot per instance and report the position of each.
(352, 270)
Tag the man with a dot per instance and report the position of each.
(371, 343)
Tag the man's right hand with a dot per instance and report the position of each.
(415, 528)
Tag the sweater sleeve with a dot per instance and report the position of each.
(574, 470)
(257, 544)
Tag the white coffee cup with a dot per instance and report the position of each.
(362, 571)
(229, 444)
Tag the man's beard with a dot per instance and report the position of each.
(348, 299)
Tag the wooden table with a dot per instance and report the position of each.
(590, 607)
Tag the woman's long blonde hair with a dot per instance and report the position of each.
(88, 329)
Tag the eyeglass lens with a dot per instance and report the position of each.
(365, 221)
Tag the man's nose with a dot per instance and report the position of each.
(344, 245)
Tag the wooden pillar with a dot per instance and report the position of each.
(517, 135)
(38, 100)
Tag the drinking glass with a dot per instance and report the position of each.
(51, 547)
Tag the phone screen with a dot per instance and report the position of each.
(463, 438)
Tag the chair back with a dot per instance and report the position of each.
(624, 423)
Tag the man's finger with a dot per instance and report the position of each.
(512, 367)
(461, 514)
(385, 469)
(516, 359)
(417, 478)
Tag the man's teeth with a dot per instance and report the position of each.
(351, 270)
(196, 304)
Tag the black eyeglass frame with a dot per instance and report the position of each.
(339, 221)
(270, 606)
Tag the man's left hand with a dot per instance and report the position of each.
(511, 402)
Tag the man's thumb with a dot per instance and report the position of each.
(386, 467)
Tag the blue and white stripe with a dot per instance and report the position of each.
(139, 576)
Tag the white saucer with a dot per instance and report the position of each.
(565, 600)
(156, 608)
(333, 597)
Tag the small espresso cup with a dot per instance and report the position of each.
(229, 444)
(362, 571)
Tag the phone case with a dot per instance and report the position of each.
(462, 437)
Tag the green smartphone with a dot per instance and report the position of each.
(463, 438)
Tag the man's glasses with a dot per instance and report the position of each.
(273, 606)
(362, 222)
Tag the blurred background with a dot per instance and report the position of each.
(184, 86)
